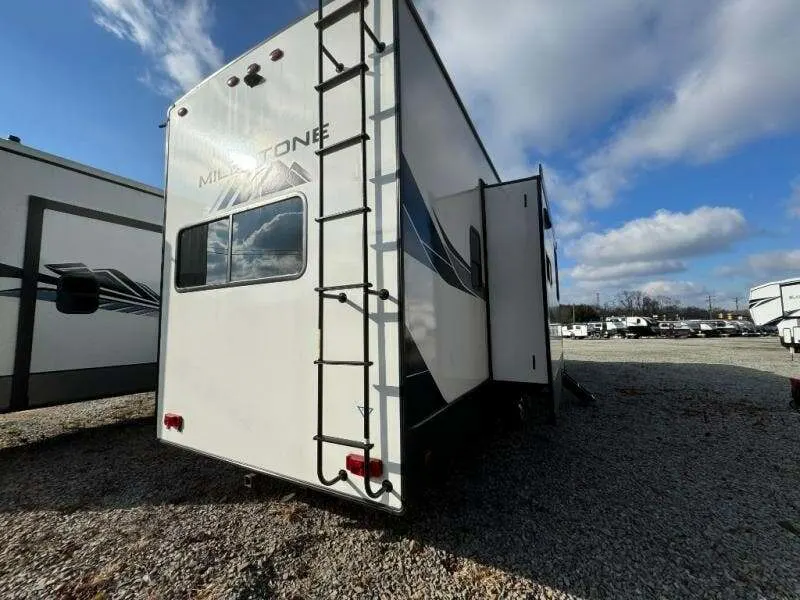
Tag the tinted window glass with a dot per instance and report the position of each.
(268, 241)
(203, 254)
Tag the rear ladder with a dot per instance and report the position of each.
(339, 292)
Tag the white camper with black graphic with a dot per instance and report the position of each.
(778, 303)
(79, 272)
(345, 275)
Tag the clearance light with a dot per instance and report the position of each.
(173, 421)
(355, 464)
(276, 54)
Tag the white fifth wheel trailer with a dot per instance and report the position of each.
(345, 275)
(61, 218)
(778, 303)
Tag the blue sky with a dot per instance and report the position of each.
(668, 130)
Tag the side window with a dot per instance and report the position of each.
(558, 285)
(262, 243)
(203, 254)
(268, 241)
(475, 259)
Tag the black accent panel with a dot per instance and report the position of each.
(5, 393)
(58, 387)
(421, 396)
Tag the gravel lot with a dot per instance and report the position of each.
(682, 481)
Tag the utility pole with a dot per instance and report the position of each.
(597, 299)
(736, 299)
(709, 306)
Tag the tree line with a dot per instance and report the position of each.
(637, 303)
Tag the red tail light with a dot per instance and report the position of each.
(173, 421)
(355, 464)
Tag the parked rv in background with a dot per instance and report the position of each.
(637, 327)
(778, 304)
(63, 221)
(576, 331)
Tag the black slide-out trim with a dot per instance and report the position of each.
(28, 293)
(401, 295)
(482, 189)
(542, 268)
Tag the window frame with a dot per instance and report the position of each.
(229, 214)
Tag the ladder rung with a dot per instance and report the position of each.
(340, 13)
(344, 442)
(347, 286)
(346, 363)
(343, 214)
(339, 79)
(351, 141)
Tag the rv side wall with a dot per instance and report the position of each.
(442, 161)
(81, 218)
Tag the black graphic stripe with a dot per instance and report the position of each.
(9, 271)
(431, 246)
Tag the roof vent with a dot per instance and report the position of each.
(14, 138)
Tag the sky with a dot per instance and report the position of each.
(669, 131)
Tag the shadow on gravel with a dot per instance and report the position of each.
(679, 482)
(117, 466)
(682, 481)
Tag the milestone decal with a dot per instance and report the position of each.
(271, 173)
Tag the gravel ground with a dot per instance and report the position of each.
(682, 481)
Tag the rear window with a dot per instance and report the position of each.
(262, 244)
(203, 254)
(268, 241)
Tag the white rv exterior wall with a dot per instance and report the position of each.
(518, 316)
(445, 161)
(107, 338)
(238, 362)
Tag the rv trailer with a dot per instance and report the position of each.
(778, 303)
(65, 223)
(636, 327)
(345, 275)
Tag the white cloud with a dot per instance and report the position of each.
(626, 270)
(664, 236)
(777, 264)
(702, 77)
(688, 292)
(567, 228)
(174, 34)
(744, 87)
